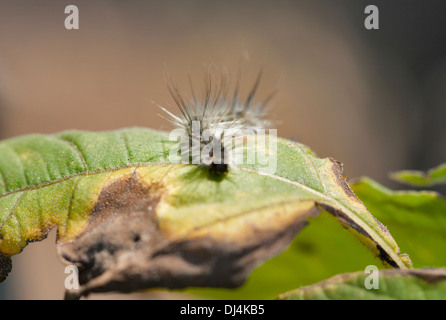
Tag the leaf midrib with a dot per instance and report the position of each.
(86, 173)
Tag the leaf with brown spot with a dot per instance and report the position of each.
(130, 219)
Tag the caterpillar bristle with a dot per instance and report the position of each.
(204, 121)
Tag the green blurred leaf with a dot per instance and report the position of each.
(416, 178)
(421, 284)
(417, 219)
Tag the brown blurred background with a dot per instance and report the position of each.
(372, 99)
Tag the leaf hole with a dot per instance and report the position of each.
(136, 237)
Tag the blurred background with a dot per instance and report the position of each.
(372, 99)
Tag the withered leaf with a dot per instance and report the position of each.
(129, 219)
(130, 243)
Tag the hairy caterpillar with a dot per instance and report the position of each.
(214, 125)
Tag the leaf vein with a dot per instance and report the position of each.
(3, 181)
(12, 212)
(126, 147)
(308, 159)
(81, 155)
(70, 206)
(20, 161)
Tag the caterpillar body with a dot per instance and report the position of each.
(213, 127)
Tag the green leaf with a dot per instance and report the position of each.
(417, 219)
(114, 197)
(420, 284)
(416, 178)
